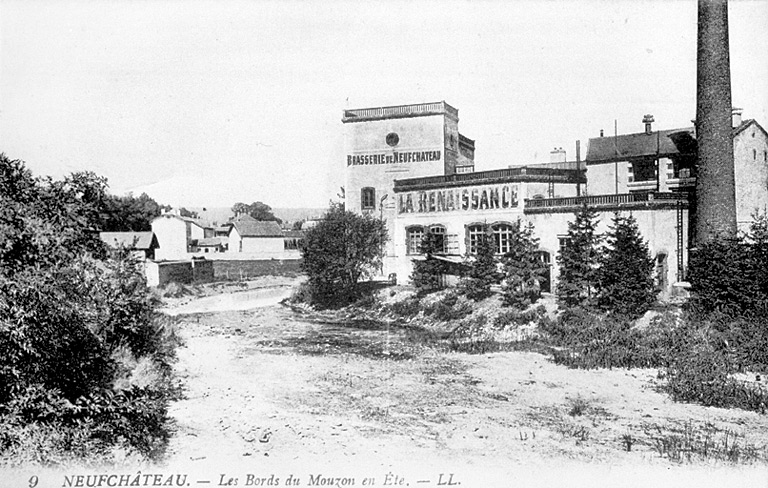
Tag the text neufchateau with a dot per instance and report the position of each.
(392, 158)
(449, 200)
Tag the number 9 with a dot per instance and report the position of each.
(33, 482)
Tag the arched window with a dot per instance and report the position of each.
(413, 237)
(367, 198)
(439, 231)
(502, 237)
(473, 235)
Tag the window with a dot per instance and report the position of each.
(439, 232)
(754, 154)
(368, 198)
(502, 238)
(564, 242)
(644, 169)
(413, 237)
(473, 234)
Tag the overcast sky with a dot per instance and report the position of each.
(209, 103)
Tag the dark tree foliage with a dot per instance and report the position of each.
(129, 213)
(523, 270)
(481, 271)
(65, 304)
(624, 282)
(578, 261)
(337, 252)
(189, 213)
(427, 273)
(257, 210)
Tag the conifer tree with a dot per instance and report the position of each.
(625, 276)
(427, 272)
(578, 260)
(481, 273)
(523, 270)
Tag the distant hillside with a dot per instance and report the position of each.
(220, 215)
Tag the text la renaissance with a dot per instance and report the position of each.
(449, 200)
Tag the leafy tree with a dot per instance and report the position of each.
(427, 272)
(578, 260)
(297, 225)
(523, 270)
(66, 307)
(129, 213)
(257, 210)
(481, 271)
(338, 251)
(188, 213)
(624, 281)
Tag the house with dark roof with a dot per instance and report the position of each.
(141, 244)
(256, 237)
(665, 161)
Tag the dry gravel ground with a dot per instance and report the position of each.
(271, 391)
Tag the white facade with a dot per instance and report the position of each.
(422, 194)
(175, 235)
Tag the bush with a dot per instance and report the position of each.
(523, 270)
(516, 317)
(624, 279)
(481, 271)
(578, 261)
(68, 311)
(428, 273)
(448, 308)
(407, 308)
(337, 252)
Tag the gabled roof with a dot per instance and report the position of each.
(258, 228)
(620, 148)
(210, 241)
(130, 240)
(747, 123)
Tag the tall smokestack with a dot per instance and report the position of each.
(715, 185)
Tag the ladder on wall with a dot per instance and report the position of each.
(680, 241)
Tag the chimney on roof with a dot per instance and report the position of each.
(648, 120)
(736, 116)
(578, 151)
(601, 132)
(557, 155)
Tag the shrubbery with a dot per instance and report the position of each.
(523, 270)
(481, 270)
(70, 316)
(337, 252)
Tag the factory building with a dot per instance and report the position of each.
(410, 166)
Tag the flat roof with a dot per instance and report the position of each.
(505, 175)
(399, 112)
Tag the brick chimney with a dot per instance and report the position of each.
(648, 120)
(736, 117)
(557, 155)
(715, 215)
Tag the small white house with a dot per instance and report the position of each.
(264, 238)
(176, 235)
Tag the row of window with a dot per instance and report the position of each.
(500, 232)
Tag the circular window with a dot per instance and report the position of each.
(393, 139)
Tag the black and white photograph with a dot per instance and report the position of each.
(436, 244)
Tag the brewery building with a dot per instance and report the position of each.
(410, 166)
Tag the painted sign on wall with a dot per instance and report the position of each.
(393, 157)
(490, 197)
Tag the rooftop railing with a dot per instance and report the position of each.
(619, 200)
(398, 111)
(521, 173)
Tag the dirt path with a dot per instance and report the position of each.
(270, 389)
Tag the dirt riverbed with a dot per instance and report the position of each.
(268, 391)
